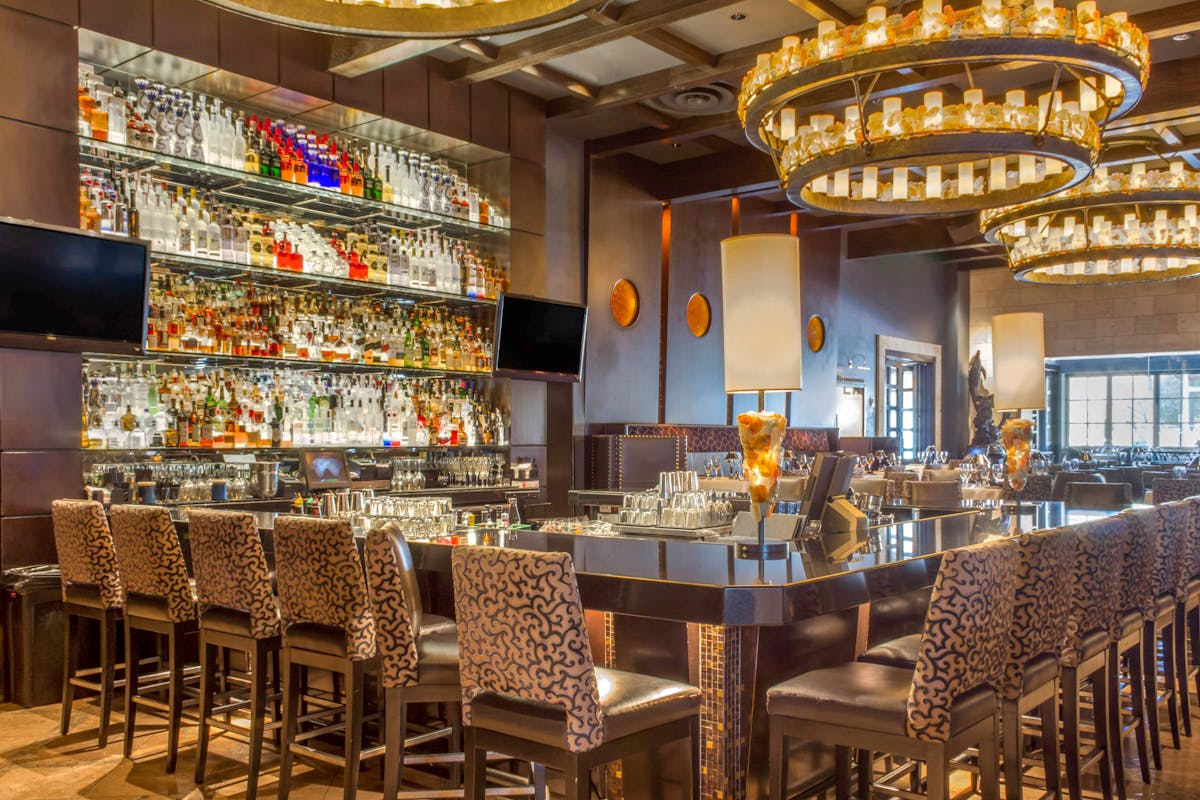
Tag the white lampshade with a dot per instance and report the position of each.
(763, 323)
(1019, 361)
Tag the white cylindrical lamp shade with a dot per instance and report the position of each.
(1019, 361)
(762, 319)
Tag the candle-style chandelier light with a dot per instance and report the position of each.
(414, 19)
(1135, 225)
(942, 155)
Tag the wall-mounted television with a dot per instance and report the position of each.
(64, 289)
(539, 340)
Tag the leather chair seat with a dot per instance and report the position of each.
(900, 652)
(1131, 623)
(1193, 586)
(1093, 644)
(434, 623)
(629, 703)
(1163, 605)
(870, 697)
(83, 594)
(226, 620)
(1039, 671)
(437, 657)
(316, 638)
(149, 607)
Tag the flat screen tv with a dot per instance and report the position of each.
(63, 289)
(539, 339)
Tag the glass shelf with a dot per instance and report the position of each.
(343, 287)
(201, 360)
(349, 448)
(295, 199)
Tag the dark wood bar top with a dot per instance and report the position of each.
(704, 582)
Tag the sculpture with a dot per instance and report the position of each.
(984, 424)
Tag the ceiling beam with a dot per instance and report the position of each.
(822, 10)
(678, 47)
(1161, 23)
(351, 57)
(484, 52)
(630, 20)
(682, 131)
(1176, 143)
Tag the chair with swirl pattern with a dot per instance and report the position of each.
(159, 601)
(530, 689)
(327, 625)
(1187, 617)
(1173, 520)
(933, 714)
(238, 613)
(91, 588)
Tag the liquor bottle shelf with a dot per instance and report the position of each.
(298, 200)
(344, 287)
(395, 451)
(260, 362)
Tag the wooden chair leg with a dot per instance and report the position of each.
(1115, 719)
(208, 664)
(695, 742)
(577, 781)
(1070, 703)
(1150, 692)
(1100, 709)
(1013, 743)
(1137, 701)
(277, 689)
(476, 768)
(258, 712)
(989, 763)
(1169, 679)
(1193, 637)
(353, 689)
(291, 707)
(108, 668)
(777, 755)
(538, 776)
(70, 664)
(395, 717)
(174, 696)
(454, 713)
(1050, 747)
(841, 758)
(131, 687)
(937, 781)
(1181, 668)
(866, 774)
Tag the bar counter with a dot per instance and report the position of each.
(692, 611)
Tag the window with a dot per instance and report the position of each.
(1133, 410)
(908, 404)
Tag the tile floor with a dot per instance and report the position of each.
(38, 764)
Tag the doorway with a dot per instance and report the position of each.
(908, 385)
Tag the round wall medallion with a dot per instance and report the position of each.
(699, 315)
(624, 303)
(816, 333)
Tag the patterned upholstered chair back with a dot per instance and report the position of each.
(1042, 605)
(965, 641)
(943, 493)
(86, 555)
(1168, 490)
(901, 479)
(1099, 559)
(389, 568)
(1143, 543)
(151, 559)
(1037, 487)
(321, 581)
(1171, 573)
(1192, 569)
(521, 633)
(231, 568)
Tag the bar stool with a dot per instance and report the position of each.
(328, 625)
(931, 714)
(1135, 606)
(416, 666)
(1096, 577)
(1187, 617)
(238, 612)
(1041, 611)
(1172, 523)
(91, 589)
(529, 686)
(159, 599)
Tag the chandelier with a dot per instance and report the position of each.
(415, 19)
(937, 154)
(1126, 227)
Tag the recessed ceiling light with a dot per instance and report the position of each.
(1181, 37)
(737, 16)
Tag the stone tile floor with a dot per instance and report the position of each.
(38, 764)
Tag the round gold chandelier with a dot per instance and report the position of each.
(942, 155)
(412, 19)
(1132, 226)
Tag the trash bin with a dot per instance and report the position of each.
(33, 628)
